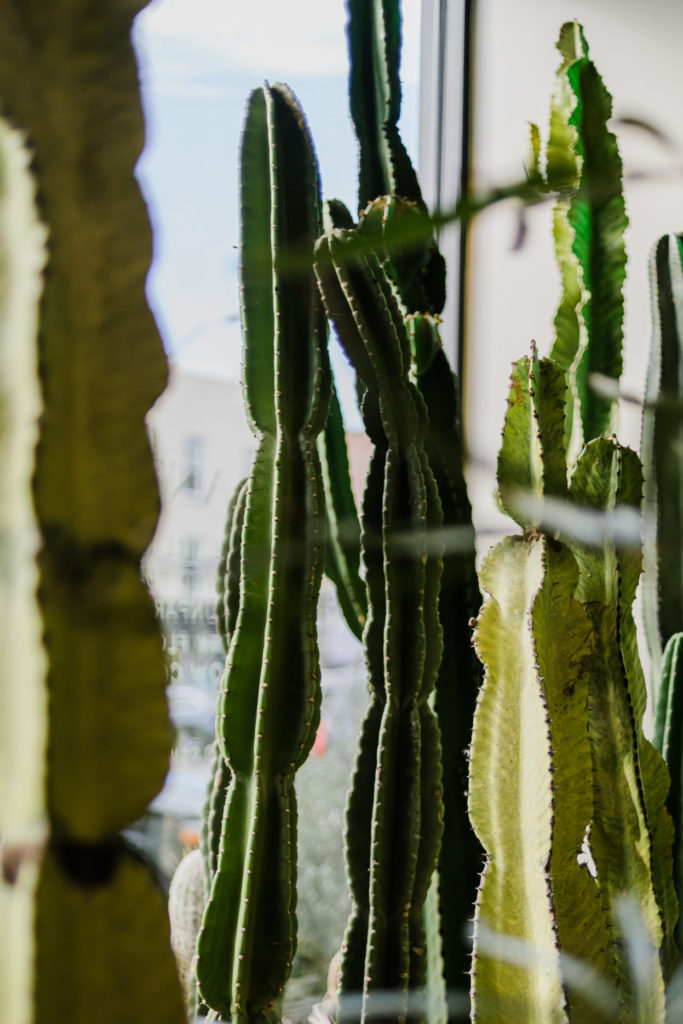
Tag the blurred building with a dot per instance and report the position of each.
(203, 447)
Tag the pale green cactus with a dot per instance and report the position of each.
(557, 638)
(583, 168)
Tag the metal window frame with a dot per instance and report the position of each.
(446, 75)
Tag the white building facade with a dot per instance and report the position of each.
(203, 447)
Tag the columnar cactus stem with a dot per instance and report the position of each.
(395, 221)
(583, 168)
(227, 609)
(342, 565)
(668, 740)
(661, 450)
(459, 674)
(631, 834)
(529, 804)
(393, 816)
(374, 32)
(269, 707)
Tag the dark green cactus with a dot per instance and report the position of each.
(227, 610)
(269, 707)
(663, 554)
(394, 811)
(227, 582)
(661, 450)
(342, 565)
(90, 929)
(386, 174)
(668, 740)
(393, 212)
(459, 674)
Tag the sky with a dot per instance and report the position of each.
(199, 60)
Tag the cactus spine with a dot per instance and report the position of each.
(269, 707)
(92, 925)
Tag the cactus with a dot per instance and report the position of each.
(388, 191)
(583, 687)
(342, 565)
(591, 698)
(92, 929)
(394, 221)
(187, 896)
(269, 706)
(394, 810)
(459, 674)
(583, 168)
(606, 477)
(528, 804)
(227, 609)
(667, 740)
(661, 434)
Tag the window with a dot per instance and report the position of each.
(194, 457)
(190, 572)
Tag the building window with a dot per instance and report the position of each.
(190, 565)
(194, 453)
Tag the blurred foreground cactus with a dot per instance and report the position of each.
(85, 734)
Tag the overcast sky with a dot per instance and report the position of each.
(199, 59)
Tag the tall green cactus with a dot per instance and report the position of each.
(392, 209)
(269, 707)
(91, 927)
(459, 674)
(661, 450)
(662, 463)
(394, 811)
(388, 191)
(583, 168)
